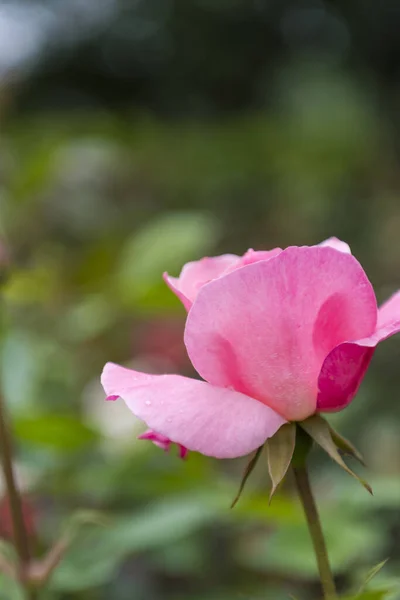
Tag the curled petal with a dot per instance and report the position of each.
(157, 438)
(162, 442)
(214, 421)
(345, 366)
(265, 329)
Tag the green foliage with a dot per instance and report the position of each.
(95, 559)
(10, 590)
(371, 595)
(288, 549)
(59, 432)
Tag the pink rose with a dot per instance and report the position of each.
(277, 336)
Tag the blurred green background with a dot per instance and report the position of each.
(137, 135)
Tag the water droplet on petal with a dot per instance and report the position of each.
(148, 402)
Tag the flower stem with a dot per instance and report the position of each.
(21, 541)
(315, 528)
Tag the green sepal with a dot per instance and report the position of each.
(345, 446)
(247, 472)
(280, 449)
(318, 429)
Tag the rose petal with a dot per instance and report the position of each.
(334, 242)
(265, 329)
(214, 421)
(345, 366)
(197, 273)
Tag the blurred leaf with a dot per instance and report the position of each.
(35, 168)
(183, 557)
(386, 494)
(88, 319)
(157, 298)
(288, 550)
(10, 589)
(20, 364)
(165, 244)
(285, 510)
(36, 285)
(96, 557)
(371, 595)
(82, 518)
(59, 432)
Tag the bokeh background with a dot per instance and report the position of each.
(137, 135)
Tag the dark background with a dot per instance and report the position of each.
(138, 135)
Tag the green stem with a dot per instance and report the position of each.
(20, 535)
(315, 528)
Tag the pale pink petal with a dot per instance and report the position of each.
(345, 366)
(334, 242)
(265, 329)
(195, 274)
(214, 421)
